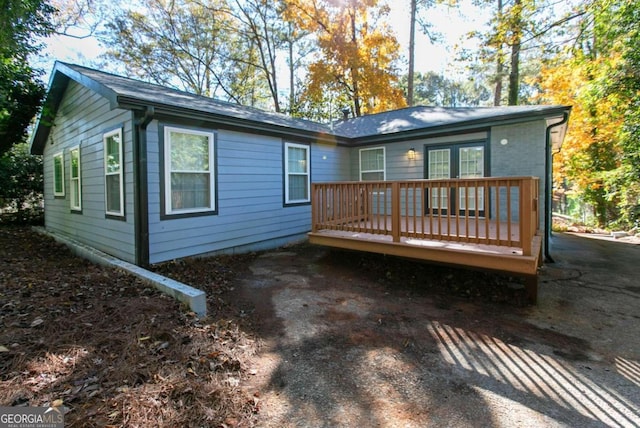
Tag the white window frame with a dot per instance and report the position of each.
(55, 191)
(287, 173)
(72, 180)
(384, 162)
(167, 171)
(120, 173)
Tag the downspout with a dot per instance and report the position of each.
(141, 186)
(548, 214)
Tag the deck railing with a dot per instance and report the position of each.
(492, 210)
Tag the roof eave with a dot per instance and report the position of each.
(231, 122)
(58, 83)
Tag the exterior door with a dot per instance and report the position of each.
(456, 161)
(439, 168)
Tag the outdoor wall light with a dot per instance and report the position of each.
(504, 141)
(411, 154)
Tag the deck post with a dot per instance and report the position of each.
(531, 288)
(526, 208)
(395, 211)
(314, 208)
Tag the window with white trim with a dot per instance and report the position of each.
(297, 180)
(113, 171)
(189, 171)
(372, 164)
(58, 174)
(75, 184)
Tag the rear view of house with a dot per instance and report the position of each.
(149, 174)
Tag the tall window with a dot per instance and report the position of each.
(372, 164)
(113, 168)
(58, 174)
(296, 177)
(75, 186)
(189, 171)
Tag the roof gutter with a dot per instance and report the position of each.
(548, 220)
(141, 193)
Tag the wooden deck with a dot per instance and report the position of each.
(425, 219)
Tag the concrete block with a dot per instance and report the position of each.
(194, 298)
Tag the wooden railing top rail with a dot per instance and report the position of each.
(447, 180)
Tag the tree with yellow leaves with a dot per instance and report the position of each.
(599, 77)
(357, 53)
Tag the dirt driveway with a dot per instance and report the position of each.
(344, 348)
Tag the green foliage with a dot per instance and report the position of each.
(21, 185)
(21, 94)
(600, 77)
(624, 35)
(433, 89)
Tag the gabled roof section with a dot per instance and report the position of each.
(123, 92)
(407, 123)
(424, 120)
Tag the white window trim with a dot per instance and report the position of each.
(61, 156)
(119, 173)
(167, 171)
(384, 162)
(72, 179)
(307, 149)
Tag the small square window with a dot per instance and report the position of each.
(372, 164)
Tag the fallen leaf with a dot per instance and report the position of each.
(57, 403)
(4, 349)
(36, 322)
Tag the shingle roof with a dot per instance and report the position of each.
(124, 92)
(430, 117)
(133, 91)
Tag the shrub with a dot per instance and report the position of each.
(21, 186)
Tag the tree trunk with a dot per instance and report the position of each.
(497, 94)
(412, 53)
(355, 75)
(514, 73)
(292, 91)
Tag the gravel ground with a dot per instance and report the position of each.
(359, 340)
(310, 337)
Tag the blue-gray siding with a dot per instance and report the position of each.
(82, 119)
(251, 211)
(522, 156)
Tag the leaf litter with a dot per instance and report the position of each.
(112, 351)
